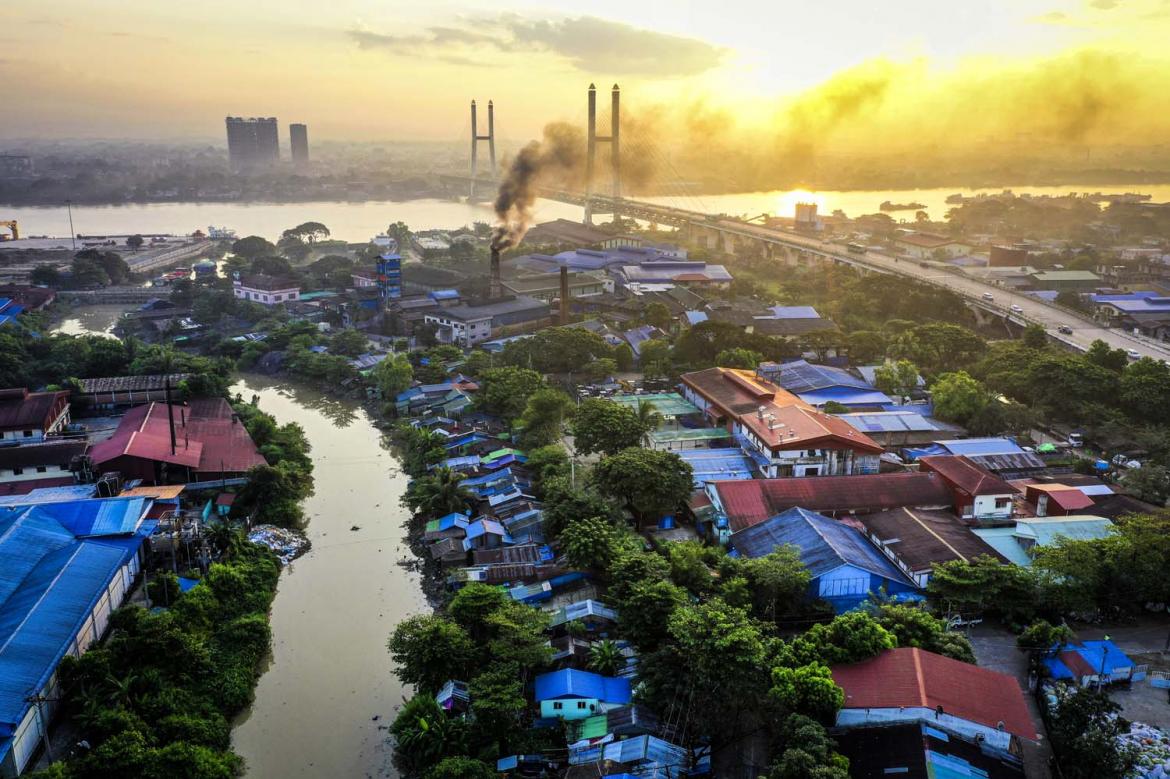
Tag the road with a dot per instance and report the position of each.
(1028, 309)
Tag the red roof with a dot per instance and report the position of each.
(24, 410)
(28, 485)
(1066, 497)
(207, 438)
(911, 677)
(963, 473)
(750, 501)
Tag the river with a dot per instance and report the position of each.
(362, 220)
(329, 691)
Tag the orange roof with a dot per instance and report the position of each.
(162, 491)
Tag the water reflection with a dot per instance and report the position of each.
(342, 412)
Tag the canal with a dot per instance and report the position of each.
(329, 692)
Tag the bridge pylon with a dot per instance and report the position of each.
(475, 139)
(614, 141)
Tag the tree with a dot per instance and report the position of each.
(429, 651)
(400, 233)
(544, 417)
(623, 356)
(738, 357)
(658, 315)
(808, 753)
(865, 346)
(655, 357)
(1103, 355)
(1151, 483)
(939, 347)
(607, 427)
(505, 391)
(393, 375)
(983, 584)
(1144, 387)
(896, 378)
(565, 503)
(650, 483)
(915, 627)
(45, 276)
(958, 397)
(605, 658)
(253, 247)
(473, 605)
(848, 638)
(691, 565)
(644, 612)
(713, 657)
(1035, 337)
(589, 543)
(437, 494)
(808, 690)
(778, 582)
(274, 492)
(135, 242)
(1085, 731)
(461, 768)
(424, 735)
(498, 702)
(547, 462)
(557, 350)
(1043, 637)
(87, 273)
(348, 342)
(307, 232)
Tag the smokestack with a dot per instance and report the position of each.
(494, 287)
(170, 414)
(564, 295)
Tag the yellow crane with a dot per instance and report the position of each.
(11, 225)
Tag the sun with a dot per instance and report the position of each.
(786, 201)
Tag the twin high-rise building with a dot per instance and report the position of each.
(252, 143)
(298, 143)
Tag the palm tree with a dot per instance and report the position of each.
(224, 535)
(439, 493)
(122, 690)
(606, 658)
(648, 416)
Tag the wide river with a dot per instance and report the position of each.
(359, 221)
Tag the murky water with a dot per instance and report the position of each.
(329, 692)
(91, 320)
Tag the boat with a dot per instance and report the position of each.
(912, 206)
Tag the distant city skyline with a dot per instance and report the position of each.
(366, 70)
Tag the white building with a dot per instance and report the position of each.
(266, 290)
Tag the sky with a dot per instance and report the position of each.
(382, 70)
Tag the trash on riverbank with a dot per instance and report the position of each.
(1153, 746)
(288, 544)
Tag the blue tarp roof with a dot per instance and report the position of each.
(716, 464)
(825, 544)
(794, 312)
(695, 317)
(1101, 656)
(50, 495)
(571, 683)
(847, 396)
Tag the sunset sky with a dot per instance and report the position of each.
(385, 70)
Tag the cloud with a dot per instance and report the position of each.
(1052, 17)
(1104, 5)
(586, 42)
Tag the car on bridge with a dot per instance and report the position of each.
(988, 296)
(1134, 354)
(1016, 309)
(1064, 330)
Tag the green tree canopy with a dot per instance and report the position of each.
(505, 391)
(544, 416)
(429, 651)
(738, 357)
(607, 427)
(958, 397)
(650, 483)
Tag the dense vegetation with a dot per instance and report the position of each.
(156, 699)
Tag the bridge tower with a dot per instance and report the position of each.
(475, 139)
(614, 141)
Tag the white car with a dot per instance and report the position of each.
(988, 296)
(1016, 309)
(1134, 354)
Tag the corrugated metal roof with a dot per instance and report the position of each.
(981, 446)
(824, 544)
(581, 610)
(800, 376)
(794, 312)
(912, 677)
(894, 422)
(571, 683)
(99, 517)
(50, 495)
(708, 465)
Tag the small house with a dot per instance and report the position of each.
(571, 694)
(593, 614)
(485, 533)
(1018, 544)
(977, 492)
(452, 525)
(1093, 661)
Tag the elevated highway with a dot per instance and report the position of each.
(724, 233)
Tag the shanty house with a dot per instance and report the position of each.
(28, 417)
(917, 540)
(1018, 544)
(846, 568)
(977, 492)
(571, 694)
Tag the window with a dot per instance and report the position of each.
(41, 469)
(17, 471)
(28, 433)
(557, 705)
(1003, 503)
(580, 704)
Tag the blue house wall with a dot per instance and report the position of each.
(847, 587)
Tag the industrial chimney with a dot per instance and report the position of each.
(564, 295)
(494, 289)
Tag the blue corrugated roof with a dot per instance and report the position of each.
(716, 464)
(695, 317)
(801, 376)
(824, 543)
(98, 516)
(847, 396)
(50, 495)
(49, 584)
(981, 447)
(794, 312)
(571, 683)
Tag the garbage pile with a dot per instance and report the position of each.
(288, 544)
(1154, 751)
